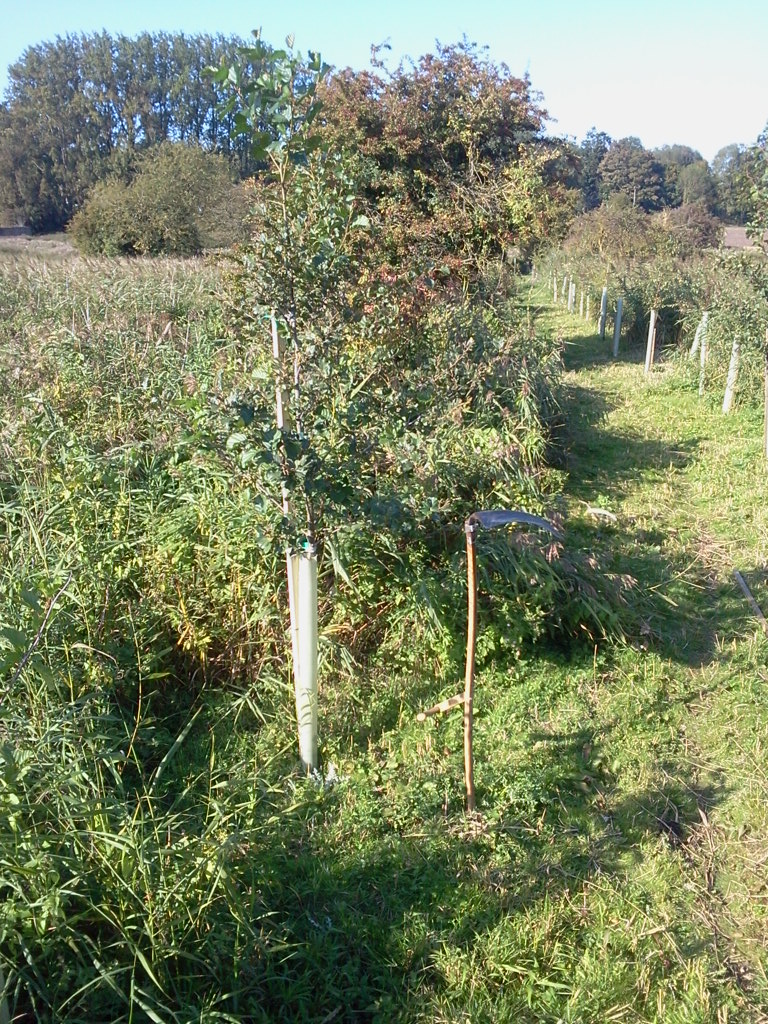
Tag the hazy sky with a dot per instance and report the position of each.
(667, 71)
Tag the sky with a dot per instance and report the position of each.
(666, 71)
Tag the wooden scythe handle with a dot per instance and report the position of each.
(469, 678)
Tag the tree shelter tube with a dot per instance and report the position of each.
(303, 595)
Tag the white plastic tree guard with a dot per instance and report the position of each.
(603, 312)
(733, 375)
(701, 330)
(301, 570)
(302, 599)
(651, 347)
(617, 327)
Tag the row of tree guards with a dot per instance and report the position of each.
(564, 291)
(568, 285)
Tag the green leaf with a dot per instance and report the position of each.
(17, 639)
(30, 598)
(259, 143)
(312, 143)
(292, 449)
(216, 74)
(338, 568)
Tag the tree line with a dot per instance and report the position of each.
(666, 178)
(458, 137)
(76, 110)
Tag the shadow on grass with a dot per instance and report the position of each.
(586, 351)
(383, 902)
(679, 606)
(429, 916)
(605, 461)
(685, 608)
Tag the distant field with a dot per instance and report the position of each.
(49, 247)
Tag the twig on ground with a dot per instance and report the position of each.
(753, 603)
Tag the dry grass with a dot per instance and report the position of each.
(44, 247)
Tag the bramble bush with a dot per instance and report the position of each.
(453, 162)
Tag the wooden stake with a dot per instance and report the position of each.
(469, 676)
(283, 417)
(753, 603)
(703, 352)
(651, 349)
(603, 313)
(581, 305)
(733, 374)
(617, 327)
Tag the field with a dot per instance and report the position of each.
(162, 856)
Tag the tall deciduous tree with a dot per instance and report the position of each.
(591, 152)
(728, 170)
(629, 168)
(674, 159)
(696, 185)
(757, 176)
(75, 105)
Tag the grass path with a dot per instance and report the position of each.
(690, 490)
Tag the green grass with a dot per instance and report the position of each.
(161, 858)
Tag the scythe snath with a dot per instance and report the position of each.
(489, 520)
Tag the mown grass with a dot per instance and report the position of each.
(162, 859)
